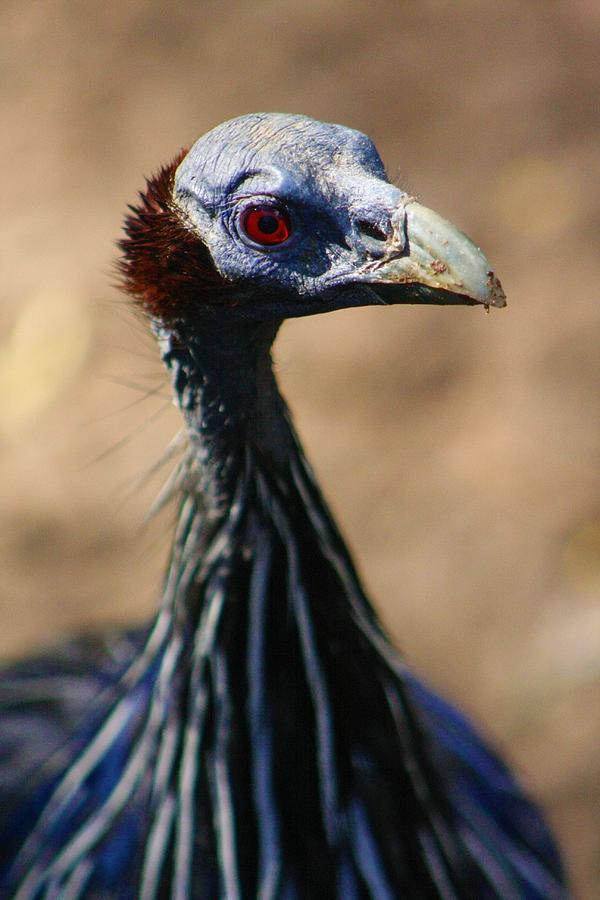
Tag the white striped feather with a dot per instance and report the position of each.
(177, 757)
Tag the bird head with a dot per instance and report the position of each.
(272, 216)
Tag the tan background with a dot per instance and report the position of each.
(459, 450)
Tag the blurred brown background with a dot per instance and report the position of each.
(459, 450)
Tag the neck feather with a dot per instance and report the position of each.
(291, 689)
(225, 387)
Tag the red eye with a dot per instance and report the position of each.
(266, 225)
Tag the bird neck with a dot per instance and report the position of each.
(226, 389)
(292, 698)
(248, 486)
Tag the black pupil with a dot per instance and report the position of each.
(268, 224)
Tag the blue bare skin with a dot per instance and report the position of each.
(334, 183)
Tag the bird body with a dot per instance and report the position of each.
(261, 738)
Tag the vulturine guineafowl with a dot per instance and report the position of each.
(261, 738)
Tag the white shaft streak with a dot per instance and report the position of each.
(98, 823)
(436, 866)
(412, 757)
(156, 847)
(180, 576)
(367, 855)
(68, 787)
(76, 885)
(482, 832)
(190, 761)
(224, 815)
(353, 591)
(269, 862)
(317, 684)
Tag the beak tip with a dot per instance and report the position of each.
(496, 295)
(434, 255)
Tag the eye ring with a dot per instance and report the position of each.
(266, 224)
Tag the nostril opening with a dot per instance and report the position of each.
(370, 230)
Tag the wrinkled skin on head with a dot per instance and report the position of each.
(330, 178)
(347, 220)
(351, 238)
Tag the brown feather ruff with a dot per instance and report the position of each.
(165, 266)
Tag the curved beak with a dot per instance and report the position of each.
(433, 261)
